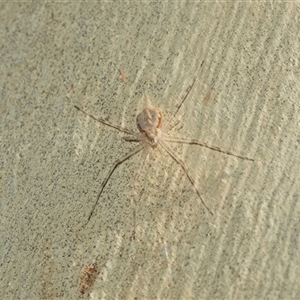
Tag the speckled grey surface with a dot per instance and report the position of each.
(104, 58)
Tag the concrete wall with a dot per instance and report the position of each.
(104, 58)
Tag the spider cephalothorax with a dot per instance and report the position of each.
(149, 122)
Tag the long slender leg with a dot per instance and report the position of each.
(133, 203)
(142, 161)
(173, 125)
(182, 164)
(187, 91)
(136, 138)
(116, 163)
(118, 127)
(197, 142)
(136, 176)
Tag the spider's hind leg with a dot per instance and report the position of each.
(183, 166)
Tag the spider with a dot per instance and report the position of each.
(152, 135)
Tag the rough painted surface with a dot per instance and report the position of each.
(103, 58)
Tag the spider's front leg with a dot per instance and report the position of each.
(118, 127)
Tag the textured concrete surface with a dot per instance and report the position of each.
(104, 58)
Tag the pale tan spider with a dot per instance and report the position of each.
(151, 136)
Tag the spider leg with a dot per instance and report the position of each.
(118, 127)
(116, 163)
(173, 125)
(143, 160)
(137, 175)
(135, 138)
(187, 91)
(182, 164)
(197, 142)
